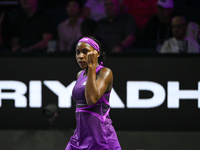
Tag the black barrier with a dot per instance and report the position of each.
(151, 92)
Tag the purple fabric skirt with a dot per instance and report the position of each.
(92, 133)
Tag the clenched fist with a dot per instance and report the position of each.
(92, 58)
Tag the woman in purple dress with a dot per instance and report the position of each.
(94, 130)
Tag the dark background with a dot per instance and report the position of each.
(188, 8)
(157, 128)
(61, 67)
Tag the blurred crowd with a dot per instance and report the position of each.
(122, 26)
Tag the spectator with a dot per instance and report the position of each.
(94, 9)
(69, 30)
(5, 34)
(193, 31)
(88, 28)
(180, 43)
(117, 30)
(141, 10)
(158, 29)
(32, 29)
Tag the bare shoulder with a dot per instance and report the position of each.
(79, 73)
(105, 73)
(106, 70)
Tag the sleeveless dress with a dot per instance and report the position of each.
(94, 130)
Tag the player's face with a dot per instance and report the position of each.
(82, 50)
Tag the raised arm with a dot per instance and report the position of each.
(97, 84)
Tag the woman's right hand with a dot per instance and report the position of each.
(92, 58)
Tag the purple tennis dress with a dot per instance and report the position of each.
(94, 130)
